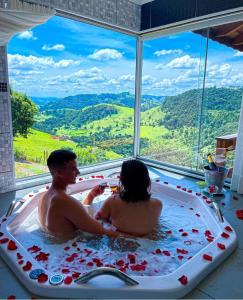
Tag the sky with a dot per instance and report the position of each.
(65, 57)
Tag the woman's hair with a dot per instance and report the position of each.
(59, 158)
(135, 181)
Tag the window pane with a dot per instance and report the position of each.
(173, 69)
(222, 97)
(80, 79)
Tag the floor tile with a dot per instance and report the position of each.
(226, 281)
(11, 286)
(197, 294)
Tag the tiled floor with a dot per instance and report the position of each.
(223, 283)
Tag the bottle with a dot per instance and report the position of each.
(211, 163)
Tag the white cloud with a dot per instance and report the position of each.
(238, 53)
(163, 84)
(166, 52)
(106, 54)
(26, 35)
(57, 47)
(147, 79)
(219, 71)
(128, 77)
(34, 62)
(159, 66)
(183, 62)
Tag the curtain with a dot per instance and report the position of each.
(19, 16)
(237, 178)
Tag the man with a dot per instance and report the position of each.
(60, 214)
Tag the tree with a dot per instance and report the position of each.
(23, 112)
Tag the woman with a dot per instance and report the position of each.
(132, 210)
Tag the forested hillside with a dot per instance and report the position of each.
(101, 127)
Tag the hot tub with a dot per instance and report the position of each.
(192, 240)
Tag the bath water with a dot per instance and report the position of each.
(178, 237)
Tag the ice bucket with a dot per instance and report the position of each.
(215, 177)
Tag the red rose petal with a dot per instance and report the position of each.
(66, 248)
(166, 253)
(76, 275)
(239, 214)
(221, 246)
(120, 262)
(20, 262)
(184, 189)
(194, 230)
(68, 280)
(19, 256)
(168, 231)
(178, 186)
(132, 258)
(180, 257)
(42, 278)
(181, 251)
(42, 256)
(208, 201)
(181, 230)
(208, 233)
(82, 260)
(183, 280)
(65, 271)
(210, 239)
(90, 264)
(138, 267)
(12, 246)
(189, 191)
(4, 241)
(197, 214)
(198, 194)
(74, 244)
(225, 235)
(27, 266)
(204, 197)
(34, 249)
(158, 251)
(11, 297)
(207, 257)
(184, 234)
(228, 228)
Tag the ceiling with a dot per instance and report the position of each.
(230, 35)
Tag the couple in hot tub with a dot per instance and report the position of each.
(131, 210)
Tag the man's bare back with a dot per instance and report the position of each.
(60, 214)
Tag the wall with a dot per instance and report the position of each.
(6, 146)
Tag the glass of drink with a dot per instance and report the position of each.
(114, 188)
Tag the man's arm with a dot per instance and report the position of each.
(96, 191)
(78, 216)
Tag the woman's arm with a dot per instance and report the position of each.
(105, 211)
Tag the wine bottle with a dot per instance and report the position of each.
(211, 163)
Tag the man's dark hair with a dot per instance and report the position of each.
(58, 158)
(135, 181)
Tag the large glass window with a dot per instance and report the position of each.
(172, 82)
(73, 88)
(194, 84)
(222, 99)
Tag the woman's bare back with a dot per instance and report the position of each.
(137, 218)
